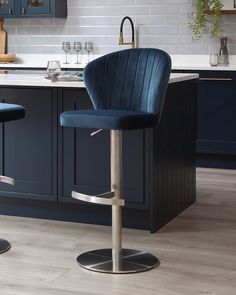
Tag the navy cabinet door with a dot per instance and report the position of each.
(29, 150)
(216, 117)
(7, 8)
(35, 7)
(86, 159)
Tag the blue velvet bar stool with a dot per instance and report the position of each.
(127, 89)
(9, 112)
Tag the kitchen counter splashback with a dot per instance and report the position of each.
(179, 62)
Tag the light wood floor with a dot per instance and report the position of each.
(197, 251)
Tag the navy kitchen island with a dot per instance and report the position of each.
(48, 162)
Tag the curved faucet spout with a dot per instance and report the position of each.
(121, 42)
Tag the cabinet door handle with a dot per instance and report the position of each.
(215, 79)
(9, 11)
(23, 10)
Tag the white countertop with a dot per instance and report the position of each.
(179, 62)
(36, 79)
(200, 63)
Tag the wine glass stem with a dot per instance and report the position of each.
(88, 56)
(77, 57)
(66, 58)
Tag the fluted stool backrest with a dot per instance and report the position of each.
(133, 79)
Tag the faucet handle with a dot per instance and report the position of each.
(121, 42)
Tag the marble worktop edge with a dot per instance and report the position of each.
(36, 79)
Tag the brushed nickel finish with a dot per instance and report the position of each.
(215, 79)
(116, 187)
(96, 132)
(132, 261)
(7, 180)
(115, 260)
(103, 199)
(4, 246)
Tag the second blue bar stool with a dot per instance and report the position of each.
(127, 89)
(9, 112)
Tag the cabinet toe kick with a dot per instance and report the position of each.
(7, 180)
(103, 199)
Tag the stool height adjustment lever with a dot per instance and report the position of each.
(96, 132)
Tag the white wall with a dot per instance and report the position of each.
(159, 23)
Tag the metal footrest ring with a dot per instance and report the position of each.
(103, 199)
(132, 261)
(4, 246)
(7, 180)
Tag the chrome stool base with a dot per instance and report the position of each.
(132, 261)
(115, 260)
(4, 246)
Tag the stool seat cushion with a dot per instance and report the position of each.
(108, 119)
(10, 112)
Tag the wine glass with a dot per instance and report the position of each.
(53, 69)
(77, 47)
(88, 46)
(66, 47)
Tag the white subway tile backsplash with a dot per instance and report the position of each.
(163, 9)
(159, 23)
(150, 20)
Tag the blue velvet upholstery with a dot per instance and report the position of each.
(121, 119)
(10, 112)
(127, 89)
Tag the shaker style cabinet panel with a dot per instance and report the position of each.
(28, 149)
(86, 159)
(216, 117)
(49, 161)
(8, 8)
(33, 8)
(216, 120)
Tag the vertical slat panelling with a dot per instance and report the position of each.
(174, 155)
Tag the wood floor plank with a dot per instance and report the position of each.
(197, 250)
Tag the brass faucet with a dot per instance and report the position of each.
(121, 42)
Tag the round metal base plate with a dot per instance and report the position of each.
(132, 261)
(4, 246)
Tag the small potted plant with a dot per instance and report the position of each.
(205, 13)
